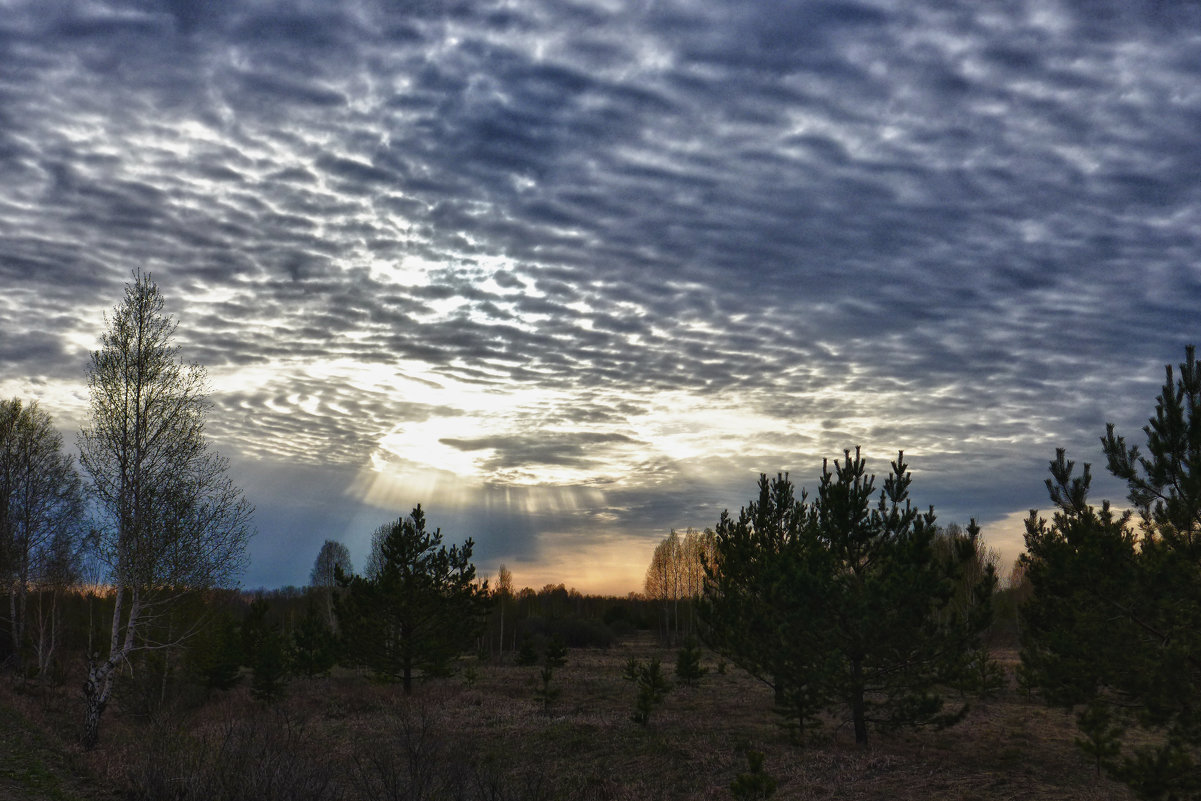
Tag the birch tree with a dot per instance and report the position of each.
(40, 500)
(503, 595)
(61, 567)
(676, 575)
(172, 522)
(332, 557)
(663, 581)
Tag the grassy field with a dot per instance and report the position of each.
(483, 734)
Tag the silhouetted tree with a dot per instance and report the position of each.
(172, 521)
(333, 557)
(314, 646)
(41, 516)
(688, 663)
(419, 609)
(842, 602)
(1111, 625)
(215, 654)
(652, 687)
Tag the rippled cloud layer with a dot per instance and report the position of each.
(571, 274)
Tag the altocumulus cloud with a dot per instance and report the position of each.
(571, 274)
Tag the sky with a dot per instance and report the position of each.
(571, 274)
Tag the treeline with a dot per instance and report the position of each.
(264, 638)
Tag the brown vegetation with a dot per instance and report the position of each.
(347, 738)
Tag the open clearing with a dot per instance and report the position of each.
(485, 726)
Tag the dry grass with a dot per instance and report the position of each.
(492, 739)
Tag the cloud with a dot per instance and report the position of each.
(654, 248)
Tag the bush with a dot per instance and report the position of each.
(261, 757)
(527, 652)
(416, 757)
(754, 784)
(652, 689)
(688, 663)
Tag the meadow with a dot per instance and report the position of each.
(484, 733)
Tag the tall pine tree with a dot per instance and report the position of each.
(420, 607)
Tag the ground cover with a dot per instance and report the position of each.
(484, 734)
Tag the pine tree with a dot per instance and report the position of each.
(527, 653)
(419, 608)
(688, 663)
(755, 784)
(555, 655)
(653, 687)
(1111, 627)
(269, 666)
(214, 655)
(839, 602)
(265, 651)
(553, 658)
(314, 646)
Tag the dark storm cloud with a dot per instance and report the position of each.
(28, 352)
(971, 232)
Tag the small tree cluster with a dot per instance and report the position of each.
(842, 602)
(1111, 627)
(676, 577)
(41, 527)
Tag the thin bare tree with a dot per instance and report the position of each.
(502, 593)
(676, 576)
(172, 520)
(60, 568)
(40, 499)
(332, 557)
